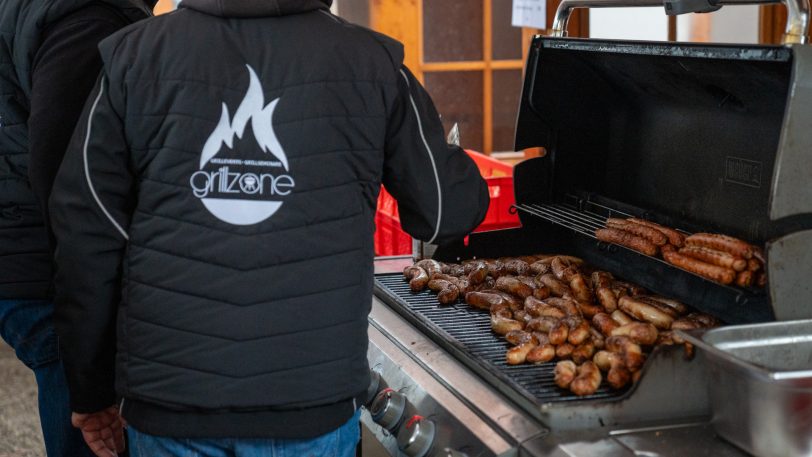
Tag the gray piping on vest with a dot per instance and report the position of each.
(431, 157)
(87, 167)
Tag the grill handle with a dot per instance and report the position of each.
(797, 30)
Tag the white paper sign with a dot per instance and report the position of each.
(530, 13)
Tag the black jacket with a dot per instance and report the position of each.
(217, 202)
(25, 257)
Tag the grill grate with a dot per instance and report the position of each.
(468, 331)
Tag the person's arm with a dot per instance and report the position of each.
(64, 71)
(440, 193)
(91, 206)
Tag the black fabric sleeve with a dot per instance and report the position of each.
(440, 193)
(91, 206)
(64, 71)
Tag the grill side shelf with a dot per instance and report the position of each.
(467, 335)
(731, 304)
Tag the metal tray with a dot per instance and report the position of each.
(760, 385)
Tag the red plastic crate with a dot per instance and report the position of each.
(390, 239)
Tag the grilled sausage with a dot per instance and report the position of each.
(629, 351)
(514, 287)
(745, 279)
(602, 279)
(484, 300)
(602, 284)
(722, 243)
(527, 280)
(580, 289)
(542, 292)
(583, 352)
(557, 288)
(436, 285)
(645, 312)
(621, 318)
(454, 269)
(754, 265)
(657, 304)
(563, 270)
(714, 257)
(604, 323)
(640, 333)
(517, 337)
(706, 270)
(564, 351)
(631, 289)
(761, 279)
(619, 376)
(686, 323)
(654, 236)
(564, 304)
(449, 295)
(515, 302)
(706, 320)
(604, 360)
(666, 338)
(540, 268)
(627, 239)
(516, 267)
(565, 371)
(589, 310)
(607, 299)
(541, 354)
(495, 268)
(518, 355)
(674, 237)
(559, 333)
(478, 273)
(597, 338)
(587, 381)
(522, 316)
(503, 310)
(545, 325)
(432, 267)
(578, 330)
(680, 308)
(503, 326)
(418, 278)
(538, 308)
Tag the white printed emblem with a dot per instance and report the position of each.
(244, 182)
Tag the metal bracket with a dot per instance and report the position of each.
(677, 7)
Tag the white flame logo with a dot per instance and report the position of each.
(233, 184)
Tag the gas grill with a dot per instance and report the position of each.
(702, 138)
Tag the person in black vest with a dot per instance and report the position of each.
(215, 218)
(49, 63)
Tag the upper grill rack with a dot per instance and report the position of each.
(467, 334)
(583, 216)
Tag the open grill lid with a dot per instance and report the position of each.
(687, 132)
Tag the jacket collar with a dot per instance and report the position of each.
(255, 8)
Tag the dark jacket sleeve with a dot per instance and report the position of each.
(91, 206)
(65, 69)
(440, 193)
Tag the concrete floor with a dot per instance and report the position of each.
(20, 434)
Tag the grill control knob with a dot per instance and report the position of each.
(417, 436)
(374, 385)
(387, 409)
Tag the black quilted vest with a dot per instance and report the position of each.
(25, 260)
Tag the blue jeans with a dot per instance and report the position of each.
(338, 443)
(26, 325)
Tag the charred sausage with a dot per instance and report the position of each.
(722, 243)
(674, 237)
(654, 236)
(627, 239)
(645, 312)
(706, 270)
